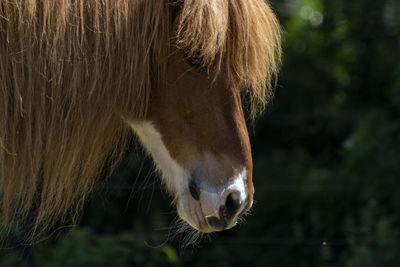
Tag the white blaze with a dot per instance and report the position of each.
(174, 175)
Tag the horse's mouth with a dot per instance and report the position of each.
(191, 211)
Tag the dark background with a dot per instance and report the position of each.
(326, 163)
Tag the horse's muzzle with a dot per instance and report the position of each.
(212, 209)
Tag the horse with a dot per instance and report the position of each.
(77, 77)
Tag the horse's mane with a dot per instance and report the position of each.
(71, 71)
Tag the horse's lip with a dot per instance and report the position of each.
(225, 224)
(192, 214)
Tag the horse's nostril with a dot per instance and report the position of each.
(194, 190)
(232, 204)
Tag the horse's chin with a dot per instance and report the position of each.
(189, 210)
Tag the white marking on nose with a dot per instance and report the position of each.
(212, 199)
(238, 185)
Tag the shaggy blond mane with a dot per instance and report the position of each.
(71, 70)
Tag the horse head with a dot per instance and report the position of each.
(196, 132)
(195, 129)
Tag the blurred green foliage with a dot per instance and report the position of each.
(326, 162)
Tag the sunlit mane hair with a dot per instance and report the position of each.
(72, 72)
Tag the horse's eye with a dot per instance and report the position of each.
(195, 62)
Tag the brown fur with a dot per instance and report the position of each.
(198, 115)
(73, 71)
